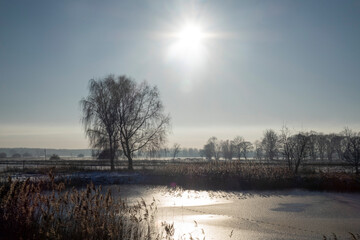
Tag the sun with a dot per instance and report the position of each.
(188, 44)
(190, 37)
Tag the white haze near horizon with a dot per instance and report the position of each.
(73, 137)
(265, 63)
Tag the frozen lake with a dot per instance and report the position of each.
(292, 214)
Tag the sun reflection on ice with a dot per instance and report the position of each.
(186, 227)
(178, 206)
(177, 197)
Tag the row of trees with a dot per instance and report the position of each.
(165, 152)
(15, 155)
(291, 147)
(228, 149)
(121, 116)
(170, 152)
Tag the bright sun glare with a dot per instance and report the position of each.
(190, 37)
(189, 46)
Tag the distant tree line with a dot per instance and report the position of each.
(293, 148)
(40, 152)
(228, 149)
(170, 153)
(156, 153)
(15, 155)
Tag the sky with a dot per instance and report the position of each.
(254, 65)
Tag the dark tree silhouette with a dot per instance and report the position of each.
(321, 146)
(294, 148)
(176, 150)
(300, 148)
(246, 147)
(209, 150)
(351, 148)
(270, 144)
(119, 113)
(227, 149)
(258, 150)
(238, 141)
(212, 149)
(287, 146)
(99, 115)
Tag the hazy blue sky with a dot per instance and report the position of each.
(262, 63)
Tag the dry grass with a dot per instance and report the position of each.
(32, 211)
(237, 175)
(352, 236)
(44, 210)
(231, 175)
(246, 170)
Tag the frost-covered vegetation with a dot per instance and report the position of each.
(44, 210)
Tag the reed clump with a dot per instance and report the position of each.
(237, 175)
(352, 236)
(44, 210)
(227, 169)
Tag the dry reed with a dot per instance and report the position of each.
(46, 211)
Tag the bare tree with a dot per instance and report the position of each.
(176, 150)
(300, 149)
(140, 118)
(99, 116)
(287, 147)
(217, 147)
(258, 150)
(209, 151)
(119, 113)
(294, 148)
(312, 145)
(270, 144)
(321, 146)
(212, 149)
(351, 148)
(246, 147)
(336, 142)
(227, 149)
(238, 141)
(329, 146)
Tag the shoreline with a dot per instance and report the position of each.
(333, 182)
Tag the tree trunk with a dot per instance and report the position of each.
(297, 164)
(289, 162)
(112, 154)
(112, 162)
(130, 166)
